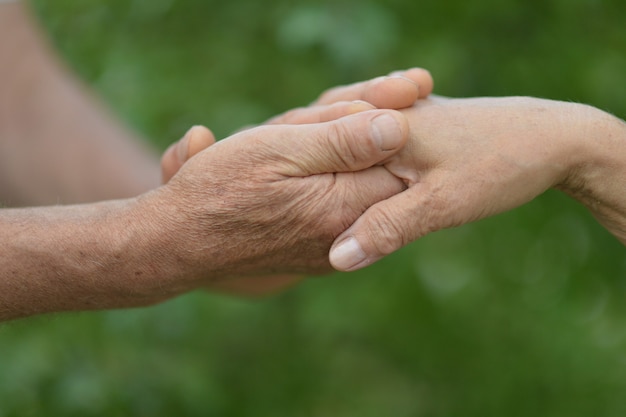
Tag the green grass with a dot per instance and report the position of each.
(518, 315)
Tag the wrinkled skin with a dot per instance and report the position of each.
(397, 91)
(272, 199)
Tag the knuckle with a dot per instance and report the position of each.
(352, 142)
(386, 234)
(391, 228)
(435, 210)
(340, 142)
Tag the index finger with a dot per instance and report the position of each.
(398, 90)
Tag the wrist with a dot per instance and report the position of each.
(146, 249)
(590, 135)
(69, 258)
(176, 251)
(598, 177)
(118, 253)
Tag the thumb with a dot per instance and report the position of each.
(386, 227)
(349, 144)
(195, 140)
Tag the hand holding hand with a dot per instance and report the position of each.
(272, 199)
(467, 159)
(399, 90)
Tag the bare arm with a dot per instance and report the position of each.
(73, 257)
(266, 201)
(58, 144)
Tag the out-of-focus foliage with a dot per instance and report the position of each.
(518, 315)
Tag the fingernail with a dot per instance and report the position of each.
(347, 254)
(401, 77)
(386, 132)
(363, 103)
(360, 105)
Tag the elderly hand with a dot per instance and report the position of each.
(467, 159)
(396, 91)
(271, 199)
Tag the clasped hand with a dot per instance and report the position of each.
(464, 159)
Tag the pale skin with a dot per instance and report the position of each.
(467, 159)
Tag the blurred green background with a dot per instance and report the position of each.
(519, 315)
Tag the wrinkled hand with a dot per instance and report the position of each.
(467, 159)
(272, 199)
(396, 91)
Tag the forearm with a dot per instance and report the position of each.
(57, 142)
(83, 257)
